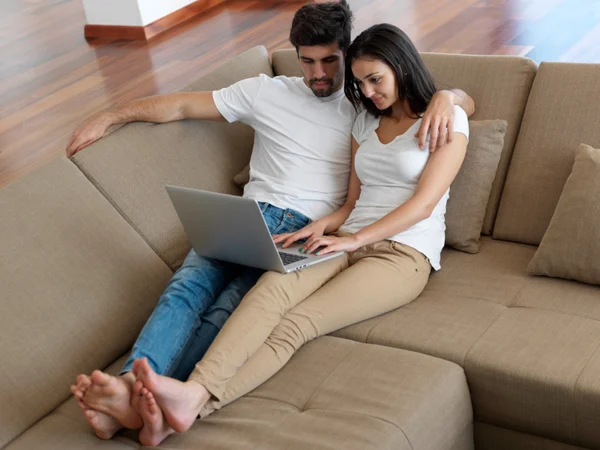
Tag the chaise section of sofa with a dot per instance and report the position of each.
(334, 393)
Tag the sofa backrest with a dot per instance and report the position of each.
(562, 112)
(132, 165)
(499, 85)
(77, 285)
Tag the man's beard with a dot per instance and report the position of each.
(323, 92)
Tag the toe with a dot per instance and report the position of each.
(100, 378)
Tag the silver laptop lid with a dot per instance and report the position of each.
(226, 227)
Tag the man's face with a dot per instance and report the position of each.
(323, 68)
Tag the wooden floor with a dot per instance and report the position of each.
(51, 78)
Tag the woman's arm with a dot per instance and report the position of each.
(440, 171)
(333, 221)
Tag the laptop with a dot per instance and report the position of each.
(233, 229)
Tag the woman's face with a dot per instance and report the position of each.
(377, 81)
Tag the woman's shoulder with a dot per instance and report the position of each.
(362, 124)
(461, 121)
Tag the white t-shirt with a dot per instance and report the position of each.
(389, 175)
(301, 157)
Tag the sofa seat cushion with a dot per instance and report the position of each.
(132, 165)
(333, 394)
(529, 345)
(77, 285)
(458, 305)
(537, 371)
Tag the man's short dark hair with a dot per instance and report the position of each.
(322, 24)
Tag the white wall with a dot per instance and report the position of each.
(130, 12)
(152, 10)
(113, 12)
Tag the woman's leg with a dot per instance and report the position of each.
(382, 277)
(256, 317)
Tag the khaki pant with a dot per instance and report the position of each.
(284, 311)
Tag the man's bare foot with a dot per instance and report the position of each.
(155, 429)
(112, 396)
(103, 425)
(180, 402)
(82, 383)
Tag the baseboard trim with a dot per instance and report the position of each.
(155, 28)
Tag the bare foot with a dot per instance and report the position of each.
(82, 383)
(112, 396)
(180, 402)
(156, 429)
(103, 425)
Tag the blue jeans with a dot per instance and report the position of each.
(198, 300)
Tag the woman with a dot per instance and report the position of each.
(391, 226)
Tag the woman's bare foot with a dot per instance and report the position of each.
(112, 396)
(103, 425)
(180, 402)
(155, 429)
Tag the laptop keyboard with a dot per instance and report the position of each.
(288, 258)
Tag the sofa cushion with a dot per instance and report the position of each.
(571, 246)
(471, 189)
(525, 373)
(503, 95)
(561, 114)
(458, 305)
(77, 285)
(334, 393)
(132, 165)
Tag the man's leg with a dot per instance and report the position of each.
(278, 221)
(214, 319)
(192, 289)
(170, 328)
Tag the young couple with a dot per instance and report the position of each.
(364, 183)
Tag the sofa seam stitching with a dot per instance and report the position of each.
(366, 415)
(113, 203)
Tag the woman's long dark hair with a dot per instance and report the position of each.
(391, 45)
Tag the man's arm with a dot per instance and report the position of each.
(438, 119)
(159, 109)
(462, 99)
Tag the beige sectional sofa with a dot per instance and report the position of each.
(487, 357)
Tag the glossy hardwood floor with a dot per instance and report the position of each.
(51, 79)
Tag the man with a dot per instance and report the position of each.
(299, 172)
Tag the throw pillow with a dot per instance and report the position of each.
(570, 247)
(470, 191)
